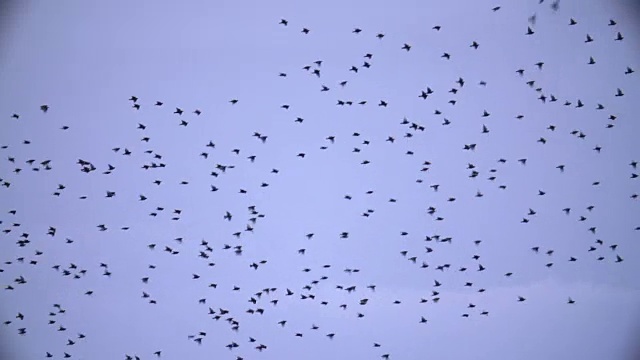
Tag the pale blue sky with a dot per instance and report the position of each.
(86, 59)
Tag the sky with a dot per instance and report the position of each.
(86, 60)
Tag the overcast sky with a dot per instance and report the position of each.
(85, 60)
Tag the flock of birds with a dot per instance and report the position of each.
(265, 299)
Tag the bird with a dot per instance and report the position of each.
(381, 145)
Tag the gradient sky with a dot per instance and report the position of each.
(86, 59)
